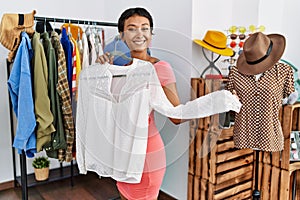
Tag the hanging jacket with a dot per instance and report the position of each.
(20, 90)
(44, 117)
(75, 30)
(91, 44)
(78, 68)
(67, 47)
(58, 137)
(84, 52)
(64, 94)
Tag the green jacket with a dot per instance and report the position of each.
(58, 137)
(44, 117)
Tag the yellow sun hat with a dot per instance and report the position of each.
(215, 41)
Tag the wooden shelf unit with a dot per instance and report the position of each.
(276, 169)
(217, 170)
(228, 173)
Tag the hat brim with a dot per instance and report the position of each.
(224, 52)
(274, 57)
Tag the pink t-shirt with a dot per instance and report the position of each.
(164, 72)
(166, 76)
(155, 161)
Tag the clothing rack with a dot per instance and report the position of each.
(74, 21)
(24, 179)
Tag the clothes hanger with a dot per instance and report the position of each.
(88, 29)
(69, 29)
(104, 76)
(78, 32)
(45, 28)
(57, 30)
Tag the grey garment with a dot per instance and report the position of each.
(58, 137)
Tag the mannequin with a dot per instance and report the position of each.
(261, 83)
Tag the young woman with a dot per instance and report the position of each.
(135, 26)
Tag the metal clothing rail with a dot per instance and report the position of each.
(24, 182)
(74, 21)
(23, 179)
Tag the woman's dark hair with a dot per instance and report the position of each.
(131, 12)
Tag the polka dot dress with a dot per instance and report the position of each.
(257, 125)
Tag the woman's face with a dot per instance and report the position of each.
(137, 33)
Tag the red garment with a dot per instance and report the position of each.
(155, 162)
(74, 86)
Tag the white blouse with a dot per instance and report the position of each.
(113, 112)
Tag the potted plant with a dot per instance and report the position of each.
(41, 168)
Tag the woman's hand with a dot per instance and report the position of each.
(235, 94)
(107, 57)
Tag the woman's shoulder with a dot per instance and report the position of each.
(165, 72)
(162, 63)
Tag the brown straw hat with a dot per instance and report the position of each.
(11, 26)
(215, 41)
(260, 53)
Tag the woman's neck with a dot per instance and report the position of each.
(143, 55)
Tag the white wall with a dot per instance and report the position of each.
(278, 16)
(172, 34)
(6, 172)
(176, 24)
(219, 15)
(282, 18)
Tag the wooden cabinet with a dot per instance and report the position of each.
(218, 170)
(275, 180)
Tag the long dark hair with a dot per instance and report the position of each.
(131, 12)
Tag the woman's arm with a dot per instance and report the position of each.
(172, 94)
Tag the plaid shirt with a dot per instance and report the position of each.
(64, 93)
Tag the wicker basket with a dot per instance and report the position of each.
(41, 174)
